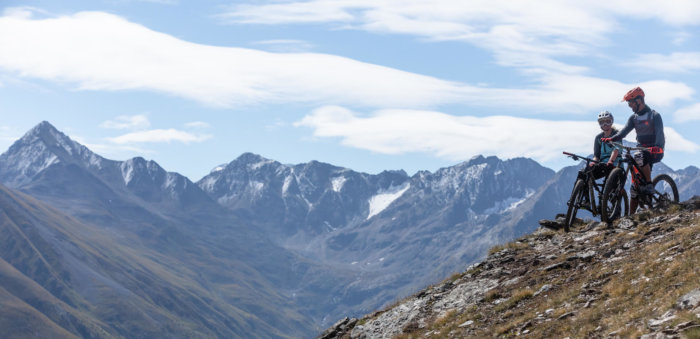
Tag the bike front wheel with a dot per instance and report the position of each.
(614, 201)
(665, 190)
(577, 197)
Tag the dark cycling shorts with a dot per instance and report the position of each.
(600, 170)
(647, 158)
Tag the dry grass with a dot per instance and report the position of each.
(602, 297)
(515, 245)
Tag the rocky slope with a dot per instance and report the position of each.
(638, 278)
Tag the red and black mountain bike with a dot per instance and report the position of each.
(665, 190)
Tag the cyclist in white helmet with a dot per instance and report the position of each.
(602, 151)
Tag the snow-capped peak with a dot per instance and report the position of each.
(40, 148)
(218, 169)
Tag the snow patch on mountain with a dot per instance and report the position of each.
(62, 141)
(95, 161)
(476, 171)
(383, 199)
(256, 186)
(127, 168)
(257, 165)
(170, 181)
(509, 203)
(287, 181)
(208, 183)
(218, 169)
(338, 183)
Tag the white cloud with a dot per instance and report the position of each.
(689, 113)
(680, 38)
(529, 33)
(198, 124)
(134, 122)
(100, 51)
(461, 137)
(677, 143)
(158, 135)
(520, 33)
(679, 62)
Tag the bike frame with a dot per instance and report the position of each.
(588, 178)
(633, 170)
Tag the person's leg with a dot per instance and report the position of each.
(633, 200)
(646, 172)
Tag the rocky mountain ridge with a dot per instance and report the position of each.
(399, 233)
(636, 278)
(322, 240)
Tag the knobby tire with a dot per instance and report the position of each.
(574, 203)
(660, 197)
(614, 198)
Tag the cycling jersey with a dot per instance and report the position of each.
(648, 126)
(603, 151)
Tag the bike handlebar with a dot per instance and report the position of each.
(576, 157)
(653, 150)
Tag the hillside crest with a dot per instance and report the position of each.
(637, 278)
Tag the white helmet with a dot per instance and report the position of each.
(605, 115)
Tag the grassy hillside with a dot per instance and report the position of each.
(624, 281)
(62, 277)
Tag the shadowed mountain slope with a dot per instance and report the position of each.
(157, 228)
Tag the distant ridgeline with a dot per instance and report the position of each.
(256, 248)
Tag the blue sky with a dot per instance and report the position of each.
(364, 84)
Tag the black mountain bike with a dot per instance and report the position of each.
(665, 190)
(583, 196)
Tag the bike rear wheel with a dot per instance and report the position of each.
(614, 201)
(665, 190)
(577, 196)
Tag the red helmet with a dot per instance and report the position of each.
(633, 93)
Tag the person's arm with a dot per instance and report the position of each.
(596, 147)
(613, 156)
(659, 130)
(625, 130)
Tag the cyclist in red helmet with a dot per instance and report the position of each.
(649, 127)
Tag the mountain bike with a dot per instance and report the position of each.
(665, 190)
(583, 196)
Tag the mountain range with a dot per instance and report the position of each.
(256, 247)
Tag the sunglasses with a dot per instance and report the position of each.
(605, 122)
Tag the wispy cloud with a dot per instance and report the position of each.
(680, 38)
(679, 62)
(518, 33)
(133, 122)
(460, 137)
(688, 113)
(100, 51)
(158, 136)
